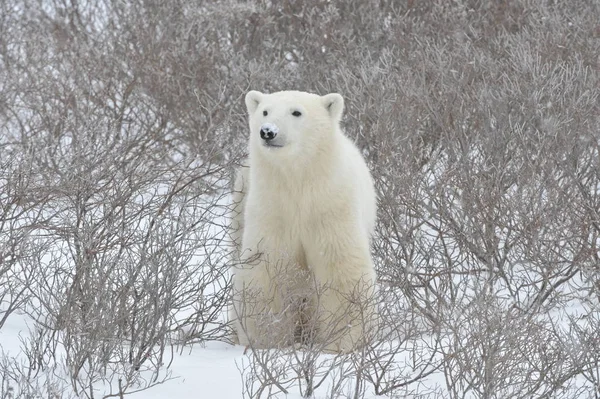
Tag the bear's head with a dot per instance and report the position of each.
(291, 124)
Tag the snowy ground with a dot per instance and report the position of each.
(217, 369)
(208, 372)
(198, 371)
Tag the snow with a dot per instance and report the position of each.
(198, 371)
(208, 372)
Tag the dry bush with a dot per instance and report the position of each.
(114, 209)
(481, 122)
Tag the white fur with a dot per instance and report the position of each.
(307, 209)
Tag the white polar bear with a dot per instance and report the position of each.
(305, 211)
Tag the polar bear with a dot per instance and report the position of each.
(305, 210)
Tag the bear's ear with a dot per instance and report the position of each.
(334, 104)
(253, 98)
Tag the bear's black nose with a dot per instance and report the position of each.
(266, 133)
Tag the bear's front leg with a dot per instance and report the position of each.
(265, 293)
(346, 314)
(344, 296)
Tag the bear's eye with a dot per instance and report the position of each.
(265, 113)
(296, 113)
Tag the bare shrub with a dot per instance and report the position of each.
(481, 123)
(115, 201)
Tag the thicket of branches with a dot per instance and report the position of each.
(120, 125)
